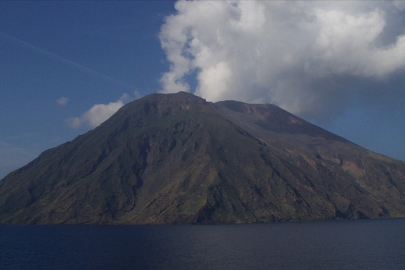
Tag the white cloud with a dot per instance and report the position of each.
(62, 101)
(96, 115)
(291, 53)
(100, 112)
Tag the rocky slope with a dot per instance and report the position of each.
(170, 159)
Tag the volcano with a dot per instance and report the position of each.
(178, 159)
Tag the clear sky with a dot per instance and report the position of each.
(67, 66)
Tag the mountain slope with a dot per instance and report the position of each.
(176, 158)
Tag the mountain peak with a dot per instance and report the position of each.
(172, 99)
(175, 158)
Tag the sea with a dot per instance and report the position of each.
(356, 244)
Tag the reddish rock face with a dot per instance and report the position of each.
(170, 159)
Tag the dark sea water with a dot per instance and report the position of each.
(363, 244)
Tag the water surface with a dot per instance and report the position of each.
(362, 244)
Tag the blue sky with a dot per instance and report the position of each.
(66, 66)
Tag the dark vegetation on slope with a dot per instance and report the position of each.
(175, 159)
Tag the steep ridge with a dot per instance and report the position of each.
(175, 158)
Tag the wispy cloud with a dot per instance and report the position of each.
(63, 60)
(62, 101)
(13, 157)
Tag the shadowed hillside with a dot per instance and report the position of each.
(175, 158)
